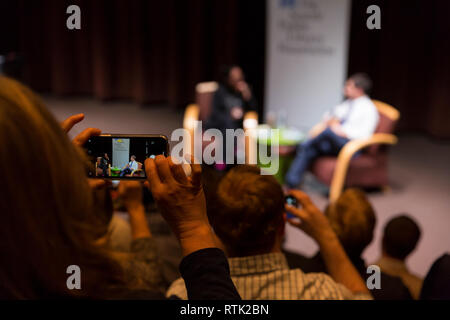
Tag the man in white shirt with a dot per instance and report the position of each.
(130, 167)
(355, 118)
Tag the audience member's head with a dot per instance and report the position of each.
(400, 237)
(353, 219)
(133, 158)
(48, 222)
(357, 85)
(248, 212)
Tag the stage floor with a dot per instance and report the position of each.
(419, 172)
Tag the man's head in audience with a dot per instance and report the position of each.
(133, 158)
(401, 235)
(357, 85)
(353, 219)
(248, 213)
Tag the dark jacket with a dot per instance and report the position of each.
(224, 100)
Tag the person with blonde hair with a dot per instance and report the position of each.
(353, 219)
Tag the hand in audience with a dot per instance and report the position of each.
(315, 224)
(312, 221)
(131, 194)
(182, 202)
(81, 139)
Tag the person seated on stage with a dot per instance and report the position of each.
(400, 238)
(130, 167)
(99, 169)
(356, 118)
(104, 164)
(249, 219)
(353, 219)
(231, 100)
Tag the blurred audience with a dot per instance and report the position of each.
(400, 237)
(248, 218)
(436, 285)
(353, 219)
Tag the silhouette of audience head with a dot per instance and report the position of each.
(400, 237)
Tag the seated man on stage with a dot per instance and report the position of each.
(355, 118)
(130, 167)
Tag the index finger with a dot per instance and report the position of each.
(84, 136)
(196, 170)
(68, 123)
(302, 197)
(152, 174)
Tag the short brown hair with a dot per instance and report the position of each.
(353, 219)
(362, 81)
(248, 211)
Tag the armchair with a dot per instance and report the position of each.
(138, 171)
(369, 169)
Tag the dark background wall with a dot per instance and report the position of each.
(154, 52)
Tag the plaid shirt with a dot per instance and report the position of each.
(268, 277)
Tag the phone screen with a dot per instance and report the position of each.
(293, 202)
(123, 156)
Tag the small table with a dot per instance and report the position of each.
(288, 139)
(115, 172)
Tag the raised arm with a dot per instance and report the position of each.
(314, 223)
(182, 203)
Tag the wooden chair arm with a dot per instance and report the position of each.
(250, 123)
(191, 115)
(250, 120)
(346, 154)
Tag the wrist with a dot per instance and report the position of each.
(327, 239)
(196, 237)
(135, 208)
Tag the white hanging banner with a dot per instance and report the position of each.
(306, 66)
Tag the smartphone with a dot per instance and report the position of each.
(293, 202)
(122, 156)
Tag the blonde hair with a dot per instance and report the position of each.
(353, 219)
(47, 214)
